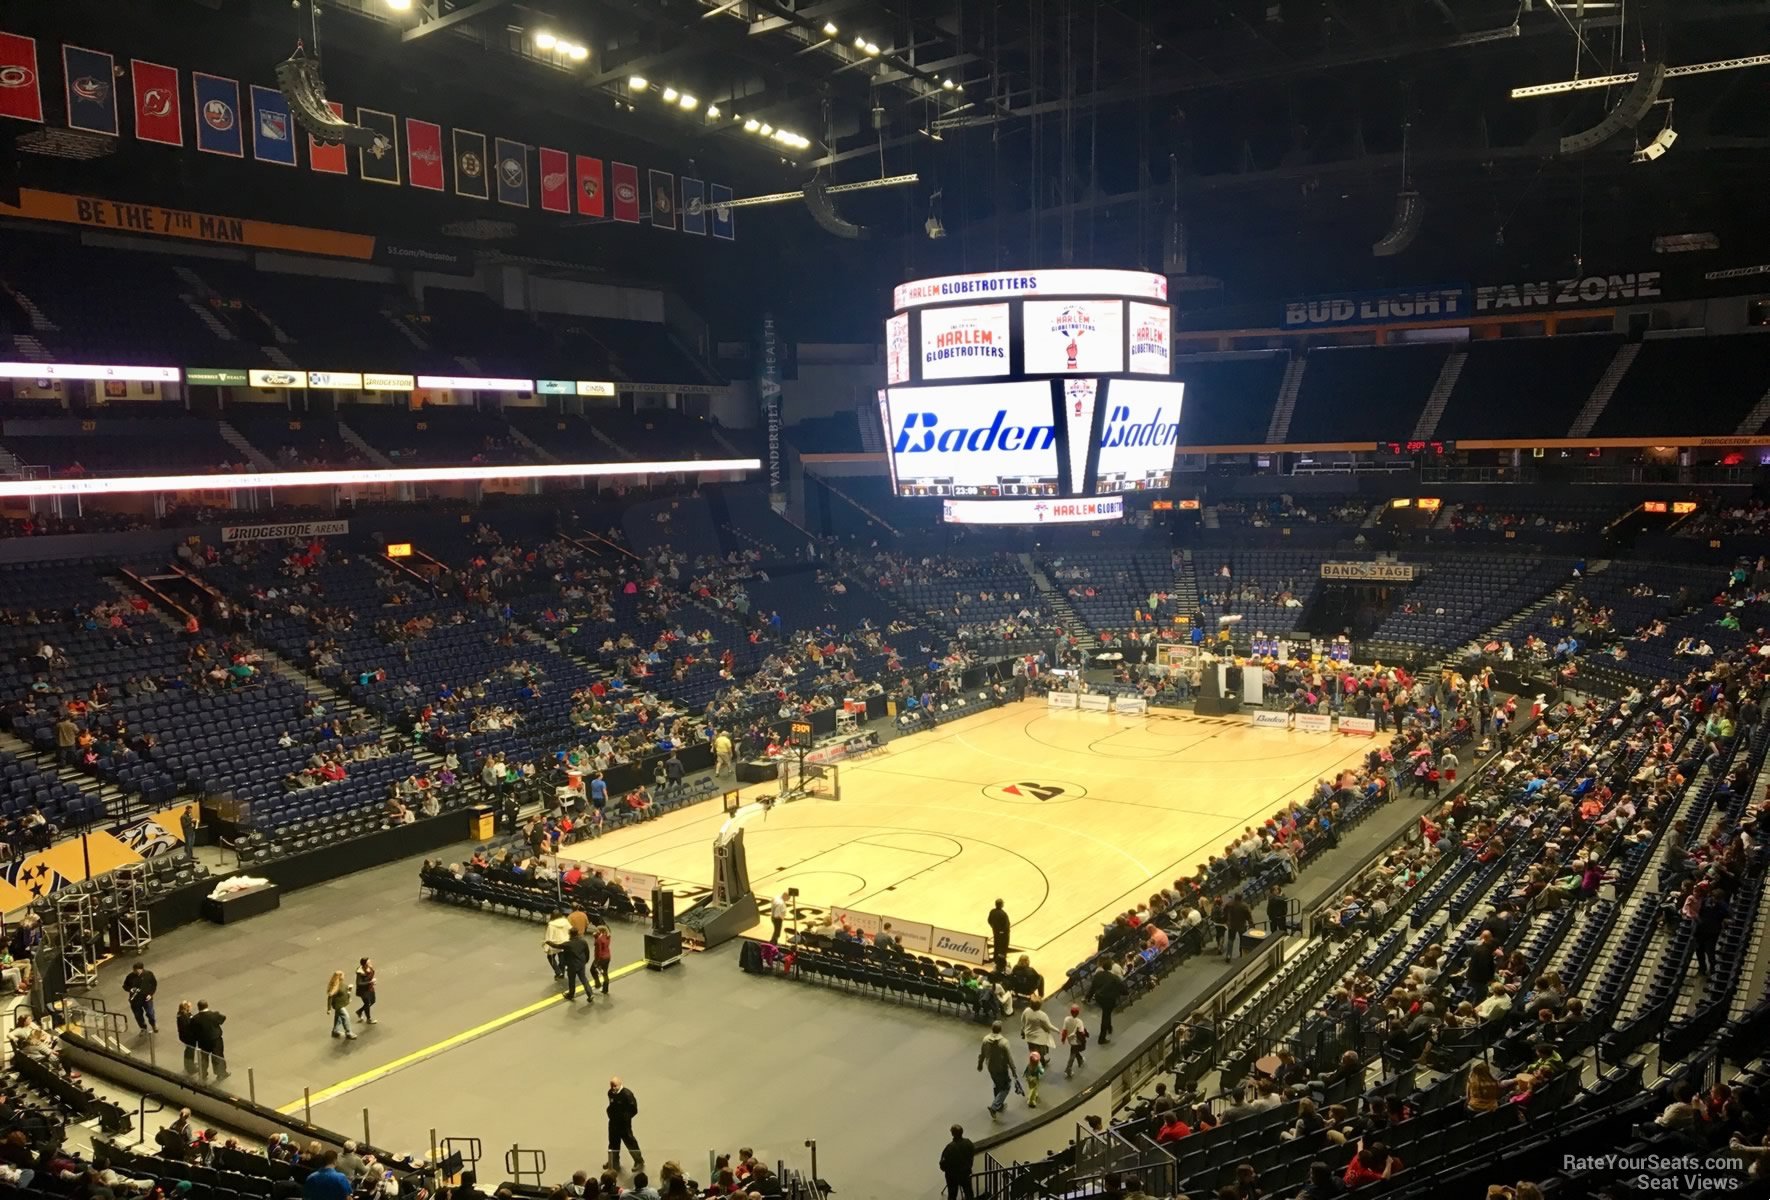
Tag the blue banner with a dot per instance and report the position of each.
(92, 91)
(720, 196)
(693, 206)
(218, 114)
(273, 130)
(511, 163)
(1392, 306)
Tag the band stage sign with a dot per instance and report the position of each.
(271, 533)
(1369, 572)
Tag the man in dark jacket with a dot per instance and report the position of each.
(998, 926)
(1237, 917)
(623, 1106)
(141, 986)
(955, 1164)
(1107, 989)
(575, 958)
(206, 1029)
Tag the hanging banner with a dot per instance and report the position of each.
(424, 155)
(159, 108)
(556, 181)
(217, 102)
(512, 169)
(626, 189)
(1369, 572)
(1387, 307)
(379, 163)
(92, 92)
(329, 158)
(591, 202)
(470, 165)
(152, 220)
(693, 206)
(768, 390)
(663, 200)
(273, 129)
(719, 197)
(21, 86)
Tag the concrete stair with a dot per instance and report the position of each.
(30, 349)
(1439, 396)
(1755, 419)
(362, 447)
(237, 440)
(1280, 426)
(1604, 389)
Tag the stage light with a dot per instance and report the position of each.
(872, 48)
(860, 43)
(638, 83)
(670, 94)
(689, 101)
(947, 84)
(580, 53)
(767, 129)
(1658, 146)
(830, 29)
(752, 125)
(399, 5)
(545, 41)
(712, 110)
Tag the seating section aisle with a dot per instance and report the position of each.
(1230, 398)
(1365, 394)
(1460, 597)
(1514, 388)
(1720, 379)
(433, 435)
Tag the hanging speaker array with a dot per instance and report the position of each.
(1626, 115)
(1410, 210)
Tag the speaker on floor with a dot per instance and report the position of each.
(663, 910)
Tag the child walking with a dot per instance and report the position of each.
(1075, 1036)
(1035, 1071)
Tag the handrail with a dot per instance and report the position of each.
(142, 1113)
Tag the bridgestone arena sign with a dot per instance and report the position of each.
(297, 529)
(1369, 572)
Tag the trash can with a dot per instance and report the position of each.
(482, 823)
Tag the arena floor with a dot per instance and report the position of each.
(1070, 817)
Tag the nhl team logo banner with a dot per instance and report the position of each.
(556, 181)
(21, 90)
(329, 159)
(217, 102)
(159, 105)
(470, 165)
(694, 206)
(626, 188)
(379, 163)
(591, 202)
(720, 200)
(273, 129)
(424, 154)
(92, 91)
(512, 169)
(663, 200)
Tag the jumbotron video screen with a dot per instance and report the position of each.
(1031, 397)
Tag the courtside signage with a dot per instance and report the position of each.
(1005, 285)
(1271, 720)
(958, 343)
(959, 947)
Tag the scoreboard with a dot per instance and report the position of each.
(1034, 387)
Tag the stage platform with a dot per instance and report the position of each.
(1070, 817)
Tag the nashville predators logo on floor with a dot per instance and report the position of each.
(1035, 791)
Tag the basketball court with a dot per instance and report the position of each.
(1070, 817)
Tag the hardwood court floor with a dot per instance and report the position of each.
(1068, 816)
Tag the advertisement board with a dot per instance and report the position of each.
(897, 349)
(1032, 512)
(954, 946)
(1005, 285)
(1073, 337)
(1131, 706)
(384, 382)
(1141, 433)
(958, 343)
(1094, 702)
(296, 529)
(1358, 726)
(1060, 699)
(1271, 720)
(1314, 723)
(50, 370)
(991, 439)
(344, 381)
(277, 379)
(1151, 339)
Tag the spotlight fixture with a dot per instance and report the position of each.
(580, 53)
(767, 129)
(752, 125)
(830, 29)
(712, 110)
(872, 49)
(638, 83)
(688, 101)
(399, 5)
(545, 41)
(947, 84)
(860, 43)
(670, 95)
(1657, 148)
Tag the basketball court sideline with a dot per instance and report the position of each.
(1070, 817)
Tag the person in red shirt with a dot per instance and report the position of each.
(1174, 1130)
(1370, 1164)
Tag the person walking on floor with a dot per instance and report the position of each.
(1036, 1030)
(186, 1021)
(576, 957)
(999, 926)
(956, 1158)
(602, 948)
(1107, 989)
(338, 1004)
(211, 1045)
(1034, 1071)
(1075, 1036)
(141, 986)
(777, 911)
(623, 1106)
(559, 931)
(365, 991)
(998, 1057)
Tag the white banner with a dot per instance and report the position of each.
(897, 349)
(1063, 337)
(860, 922)
(1358, 726)
(1150, 328)
(1369, 572)
(1094, 702)
(1315, 723)
(960, 947)
(959, 343)
(634, 883)
(296, 529)
(1271, 720)
(1131, 706)
(1060, 699)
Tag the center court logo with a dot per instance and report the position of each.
(922, 433)
(1034, 791)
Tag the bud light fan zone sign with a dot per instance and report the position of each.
(959, 343)
(991, 439)
(1071, 337)
(1139, 436)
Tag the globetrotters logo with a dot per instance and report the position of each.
(1075, 322)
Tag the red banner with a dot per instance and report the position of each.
(21, 91)
(159, 111)
(330, 160)
(424, 154)
(626, 177)
(590, 198)
(556, 181)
